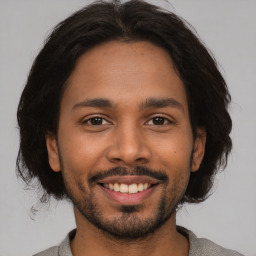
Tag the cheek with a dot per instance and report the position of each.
(174, 151)
(79, 152)
(82, 153)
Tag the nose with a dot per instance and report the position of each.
(129, 147)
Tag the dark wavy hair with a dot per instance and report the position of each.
(38, 109)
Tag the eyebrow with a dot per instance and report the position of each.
(161, 103)
(149, 103)
(97, 102)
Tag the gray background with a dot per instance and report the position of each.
(228, 217)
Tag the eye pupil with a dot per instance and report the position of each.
(96, 121)
(158, 120)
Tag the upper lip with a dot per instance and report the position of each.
(129, 179)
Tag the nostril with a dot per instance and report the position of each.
(117, 159)
(128, 155)
(141, 160)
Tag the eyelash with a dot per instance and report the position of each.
(166, 120)
(151, 119)
(95, 117)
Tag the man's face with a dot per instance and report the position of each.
(124, 145)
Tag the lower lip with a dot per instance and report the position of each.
(128, 199)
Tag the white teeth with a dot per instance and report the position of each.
(116, 187)
(140, 187)
(133, 188)
(124, 188)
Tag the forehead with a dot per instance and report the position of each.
(124, 73)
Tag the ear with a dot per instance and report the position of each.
(199, 149)
(53, 153)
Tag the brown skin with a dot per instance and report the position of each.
(127, 74)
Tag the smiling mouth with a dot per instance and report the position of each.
(128, 188)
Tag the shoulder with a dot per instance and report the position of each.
(207, 247)
(62, 250)
(53, 251)
(202, 246)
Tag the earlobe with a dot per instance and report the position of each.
(199, 149)
(53, 153)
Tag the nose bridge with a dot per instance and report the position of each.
(129, 145)
(129, 141)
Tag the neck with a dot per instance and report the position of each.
(94, 242)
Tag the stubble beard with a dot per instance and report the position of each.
(128, 225)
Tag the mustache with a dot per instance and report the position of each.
(123, 171)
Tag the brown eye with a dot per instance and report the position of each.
(158, 120)
(96, 121)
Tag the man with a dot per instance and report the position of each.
(125, 113)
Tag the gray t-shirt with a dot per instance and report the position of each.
(198, 246)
